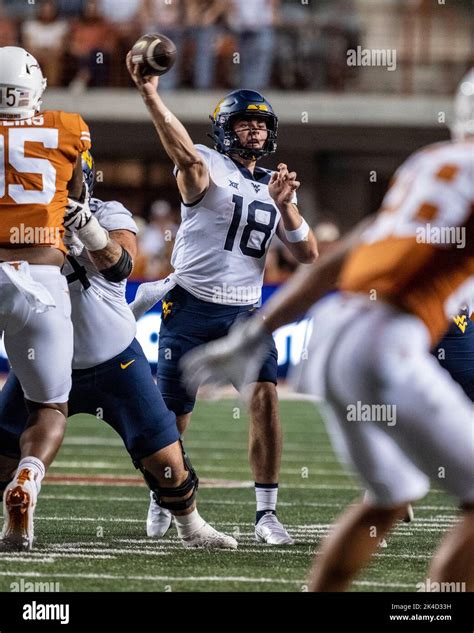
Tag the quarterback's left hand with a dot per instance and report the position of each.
(283, 185)
(78, 212)
(236, 358)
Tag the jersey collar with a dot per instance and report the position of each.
(259, 175)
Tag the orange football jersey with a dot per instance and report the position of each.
(419, 253)
(37, 160)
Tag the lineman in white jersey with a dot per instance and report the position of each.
(231, 209)
(112, 377)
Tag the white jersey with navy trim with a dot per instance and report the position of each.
(103, 323)
(221, 246)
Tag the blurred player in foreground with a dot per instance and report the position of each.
(40, 165)
(399, 282)
(231, 209)
(111, 376)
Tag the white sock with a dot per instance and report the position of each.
(37, 468)
(187, 524)
(266, 497)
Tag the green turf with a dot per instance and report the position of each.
(92, 537)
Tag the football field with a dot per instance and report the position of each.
(90, 523)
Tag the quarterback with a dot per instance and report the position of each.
(371, 344)
(231, 209)
(40, 166)
(111, 376)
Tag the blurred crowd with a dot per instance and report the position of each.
(221, 43)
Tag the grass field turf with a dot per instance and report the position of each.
(92, 537)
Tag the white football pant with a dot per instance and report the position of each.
(363, 354)
(38, 337)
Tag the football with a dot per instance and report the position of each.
(154, 53)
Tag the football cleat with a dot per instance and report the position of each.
(19, 502)
(270, 530)
(158, 521)
(209, 538)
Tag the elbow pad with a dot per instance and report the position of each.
(121, 270)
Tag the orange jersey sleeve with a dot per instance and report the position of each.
(419, 253)
(37, 160)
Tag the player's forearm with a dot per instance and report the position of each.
(173, 135)
(108, 256)
(115, 261)
(307, 286)
(305, 249)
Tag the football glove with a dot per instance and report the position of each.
(78, 212)
(149, 294)
(80, 221)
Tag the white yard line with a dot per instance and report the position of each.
(36, 557)
(368, 583)
(235, 579)
(143, 498)
(299, 530)
(25, 559)
(90, 440)
(125, 468)
(158, 578)
(158, 548)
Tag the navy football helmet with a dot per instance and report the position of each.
(88, 170)
(237, 105)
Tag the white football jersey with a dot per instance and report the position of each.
(103, 323)
(221, 246)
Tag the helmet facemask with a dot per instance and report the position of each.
(251, 153)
